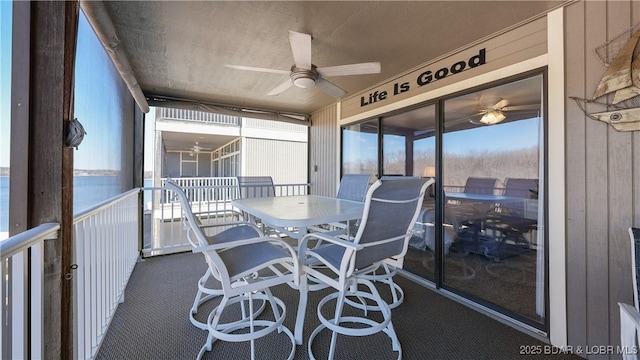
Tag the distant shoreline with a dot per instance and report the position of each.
(4, 171)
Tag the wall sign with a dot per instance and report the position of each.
(510, 48)
(424, 78)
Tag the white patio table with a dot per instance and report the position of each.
(300, 212)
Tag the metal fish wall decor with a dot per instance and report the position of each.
(622, 78)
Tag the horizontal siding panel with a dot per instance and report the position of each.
(517, 45)
(274, 125)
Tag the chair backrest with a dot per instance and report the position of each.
(634, 234)
(255, 187)
(354, 187)
(524, 188)
(195, 238)
(196, 235)
(390, 212)
(476, 185)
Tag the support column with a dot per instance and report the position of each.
(41, 180)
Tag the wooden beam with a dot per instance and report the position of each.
(48, 165)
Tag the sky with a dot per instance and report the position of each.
(511, 136)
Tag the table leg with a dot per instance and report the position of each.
(302, 309)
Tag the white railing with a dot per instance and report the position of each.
(210, 200)
(201, 116)
(21, 293)
(105, 252)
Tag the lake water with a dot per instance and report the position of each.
(88, 191)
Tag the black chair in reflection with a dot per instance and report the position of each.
(467, 216)
(511, 221)
(497, 229)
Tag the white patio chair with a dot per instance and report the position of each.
(630, 315)
(235, 230)
(246, 269)
(391, 209)
(352, 187)
(256, 187)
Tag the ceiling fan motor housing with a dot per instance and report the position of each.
(304, 78)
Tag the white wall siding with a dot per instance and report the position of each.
(273, 125)
(324, 147)
(603, 173)
(284, 161)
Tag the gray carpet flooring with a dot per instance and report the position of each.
(153, 323)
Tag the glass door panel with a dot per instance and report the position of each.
(493, 173)
(360, 148)
(408, 148)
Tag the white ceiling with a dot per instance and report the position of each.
(179, 48)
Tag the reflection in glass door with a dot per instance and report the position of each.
(480, 233)
(492, 155)
(408, 148)
(360, 148)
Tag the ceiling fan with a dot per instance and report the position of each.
(196, 149)
(496, 109)
(304, 74)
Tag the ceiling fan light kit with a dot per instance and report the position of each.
(493, 117)
(304, 78)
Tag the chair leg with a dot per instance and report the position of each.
(205, 294)
(397, 294)
(338, 313)
(371, 327)
(227, 331)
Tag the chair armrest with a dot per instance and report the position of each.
(230, 223)
(256, 240)
(334, 240)
(629, 330)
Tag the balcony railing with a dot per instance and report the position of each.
(210, 199)
(22, 292)
(199, 116)
(105, 250)
(105, 240)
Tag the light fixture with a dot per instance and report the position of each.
(492, 117)
(429, 172)
(304, 82)
(304, 78)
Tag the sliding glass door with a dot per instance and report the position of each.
(408, 149)
(480, 233)
(493, 168)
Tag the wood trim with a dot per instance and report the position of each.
(20, 105)
(556, 180)
(71, 12)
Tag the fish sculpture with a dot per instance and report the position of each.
(623, 78)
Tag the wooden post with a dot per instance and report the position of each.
(41, 165)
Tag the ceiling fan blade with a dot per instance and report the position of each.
(351, 69)
(280, 88)
(259, 69)
(501, 104)
(329, 88)
(301, 48)
(521, 107)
